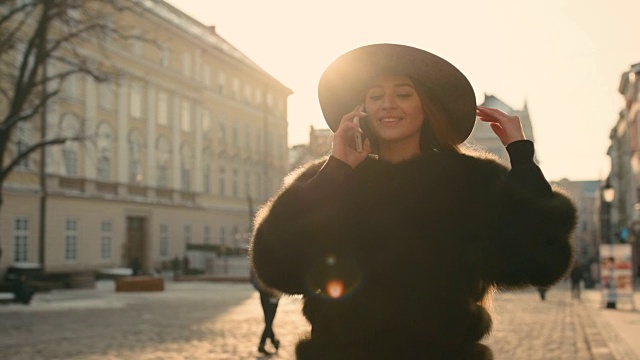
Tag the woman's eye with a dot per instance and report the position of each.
(404, 95)
(375, 97)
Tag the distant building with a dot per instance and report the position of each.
(624, 151)
(320, 141)
(484, 138)
(190, 132)
(585, 195)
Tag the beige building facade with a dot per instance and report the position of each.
(175, 151)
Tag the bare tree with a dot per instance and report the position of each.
(43, 43)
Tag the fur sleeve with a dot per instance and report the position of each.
(296, 223)
(531, 226)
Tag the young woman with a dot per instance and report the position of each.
(396, 248)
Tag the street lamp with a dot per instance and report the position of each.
(608, 194)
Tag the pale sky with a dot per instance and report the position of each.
(564, 57)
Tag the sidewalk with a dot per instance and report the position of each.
(620, 327)
(222, 321)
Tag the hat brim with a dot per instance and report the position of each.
(343, 84)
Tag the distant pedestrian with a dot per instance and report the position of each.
(22, 291)
(542, 290)
(576, 277)
(269, 300)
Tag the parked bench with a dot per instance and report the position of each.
(140, 283)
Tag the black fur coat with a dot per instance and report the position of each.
(395, 260)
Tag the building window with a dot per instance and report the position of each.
(234, 184)
(222, 83)
(21, 239)
(185, 116)
(135, 158)
(187, 234)
(71, 86)
(248, 94)
(22, 144)
(206, 120)
(164, 56)
(222, 181)
(104, 168)
(70, 128)
(163, 154)
(235, 89)
(137, 47)
(186, 64)
(187, 163)
(222, 133)
(105, 152)
(164, 240)
(236, 236)
(259, 192)
(163, 109)
(106, 98)
(247, 183)
(135, 99)
(223, 238)
(269, 100)
(206, 75)
(248, 141)
(206, 171)
(258, 97)
(70, 160)
(206, 237)
(234, 136)
(71, 239)
(280, 107)
(259, 148)
(106, 240)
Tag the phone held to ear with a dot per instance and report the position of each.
(356, 120)
(358, 136)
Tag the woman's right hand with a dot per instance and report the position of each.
(344, 143)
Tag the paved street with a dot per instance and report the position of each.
(224, 321)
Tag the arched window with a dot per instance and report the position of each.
(163, 154)
(104, 152)
(23, 140)
(222, 183)
(186, 166)
(135, 157)
(207, 159)
(70, 128)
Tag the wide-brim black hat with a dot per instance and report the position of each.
(343, 84)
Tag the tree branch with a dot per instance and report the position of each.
(14, 162)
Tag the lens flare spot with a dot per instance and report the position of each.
(331, 260)
(335, 288)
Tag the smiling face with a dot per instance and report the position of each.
(395, 113)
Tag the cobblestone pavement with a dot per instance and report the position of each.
(558, 328)
(224, 321)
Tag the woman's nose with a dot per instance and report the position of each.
(388, 102)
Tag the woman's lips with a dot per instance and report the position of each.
(389, 121)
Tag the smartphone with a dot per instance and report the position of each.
(358, 136)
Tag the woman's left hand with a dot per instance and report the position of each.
(507, 127)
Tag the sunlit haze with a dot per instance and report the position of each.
(564, 58)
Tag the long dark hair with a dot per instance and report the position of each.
(436, 132)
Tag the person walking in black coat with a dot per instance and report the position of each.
(269, 300)
(576, 277)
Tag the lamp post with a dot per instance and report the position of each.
(608, 194)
